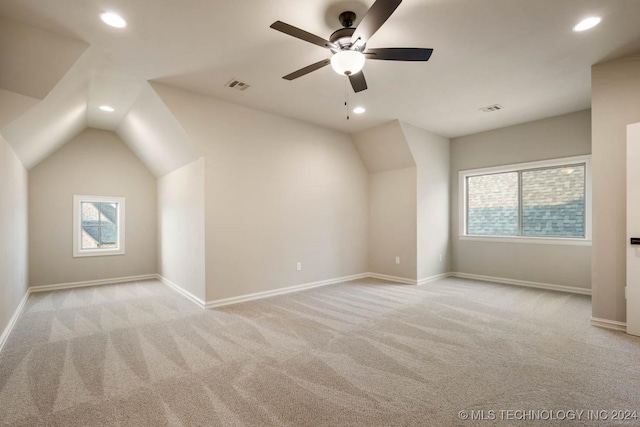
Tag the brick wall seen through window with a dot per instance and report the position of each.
(547, 202)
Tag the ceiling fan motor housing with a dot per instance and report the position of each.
(348, 44)
(342, 37)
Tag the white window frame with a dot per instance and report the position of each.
(77, 226)
(565, 161)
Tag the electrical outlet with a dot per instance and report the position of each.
(397, 260)
(299, 266)
(440, 257)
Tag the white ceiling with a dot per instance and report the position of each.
(521, 54)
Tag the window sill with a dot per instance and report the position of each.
(561, 241)
(98, 253)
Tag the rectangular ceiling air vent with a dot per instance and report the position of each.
(491, 108)
(237, 84)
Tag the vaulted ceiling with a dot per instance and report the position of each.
(59, 62)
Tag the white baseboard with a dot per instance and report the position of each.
(609, 324)
(72, 285)
(433, 278)
(7, 331)
(525, 283)
(406, 281)
(281, 291)
(59, 286)
(180, 290)
(395, 279)
(604, 323)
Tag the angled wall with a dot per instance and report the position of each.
(181, 231)
(409, 200)
(60, 116)
(277, 192)
(152, 132)
(13, 234)
(392, 249)
(431, 154)
(40, 65)
(95, 163)
(156, 137)
(14, 105)
(384, 148)
(34, 60)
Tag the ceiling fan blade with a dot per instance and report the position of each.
(374, 18)
(302, 35)
(358, 83)
(399, 54)
(306, 70)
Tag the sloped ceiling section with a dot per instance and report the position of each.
(60, 116)
(119, 91)
(34, 60)
(13, 105)
(384, 148)
(43, 89)
(154, 134)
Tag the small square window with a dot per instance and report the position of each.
(98, 226)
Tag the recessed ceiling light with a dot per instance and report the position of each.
(359, 110)
(106, 108)
(113, 19)
(588, 23)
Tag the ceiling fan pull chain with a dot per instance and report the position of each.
(346, 95)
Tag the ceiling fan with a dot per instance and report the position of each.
(348, 44)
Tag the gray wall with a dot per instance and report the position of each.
(392, 223)
(384, 148)
(93, 163)
(431, 154)
(561, 136)
(181, 231)
(277, 191)
(392, 199)
(408, 200)
(13, 233)
(615, 100)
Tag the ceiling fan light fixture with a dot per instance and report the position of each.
(347, 62)
(587, 24)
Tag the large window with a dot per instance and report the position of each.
(540, 202)
(98, 226)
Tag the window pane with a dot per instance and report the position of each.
(90, 213)
(99, 225)
(492, 204)
(108, 213)
(553, 202)
(108, 236)
(90, 237)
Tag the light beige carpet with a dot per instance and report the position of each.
(363, 353)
